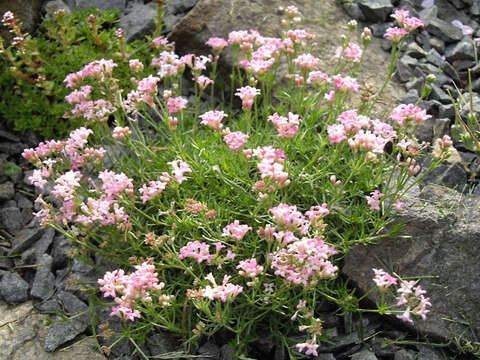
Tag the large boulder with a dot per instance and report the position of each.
(216, 18)
(440, 243)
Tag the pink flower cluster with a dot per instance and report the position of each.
(153, 189)
(121, 133)
(306, 62)
(414, 297)
(217, 44)
(236, 230)
(407, 25)
(289, 218)
(225, 292)
(383, 280)
(179, 169)
(176, 104)
(247, 94)
(114, 184)
(213, 119)
(316, 214)
(271, 169)
(310, 348)
(409, 114)
(200, 251)
(235, 140)
(304, 261)
(203, 81)
(127, 289)
(352, 53)
(318, 78)
(361, 132)
(346, 83)
(286, 128)
(249, 268)
(374, 200)
(98, 69)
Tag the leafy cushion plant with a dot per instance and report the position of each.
(32, 69)
(234, 219)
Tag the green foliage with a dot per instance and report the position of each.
(32, 90)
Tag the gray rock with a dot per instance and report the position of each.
(364, 355)
(462, 50)
(100, 4)
(23, 202)
(440, 231)
(11, 148)
(227, 353)
(7, 191)
(476, 85)
(376, 10)
(405, 66)
(452, 176)
(440, 95)
(5, 262)
(441, 127)
(410, 97)
(428, 353)
(71, 303)
(325, 356)
(378, 30)
(433, 57)
(353, 10)
(177, 7)
(442, 79)
(404, 355)
(428, 14)
(13, 288)
(415, 51)
(11, 218)
(139, 22)
(41, 246)
(415, 84)
(9, 136)
(425, 130)
(451, 71)
(44, 281)
(51, 7)
(444, 30)
(62, 332)
(475, 8)
(437, 44)
(160, 343)
(51, 306)
(60, 252)
(209, 351)
(24, 239)
(446, 111)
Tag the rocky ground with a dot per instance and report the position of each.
(45, 311)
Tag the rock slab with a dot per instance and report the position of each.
(441, 237)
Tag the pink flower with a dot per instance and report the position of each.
(249, 268)
(374, 200)
(203, 81)
(346, 83)
(213, 119)
(225, 292)
(176, 104)
(413, 23)
(352, 53)
(383, 279)
(148, 85)
(121, 133)
(247, 94)
(135, 65)
(286, 128)
(235, 140)
(179, 169)
(318, 78)
(400, 16)
(395, 34)
(235, 230)
(306, 61)
(217, 44)
(153, 189)
(198, 251)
